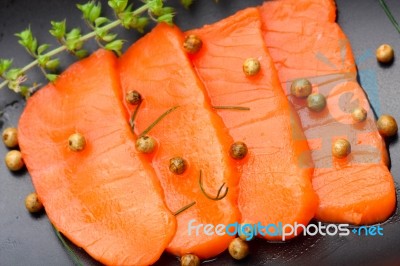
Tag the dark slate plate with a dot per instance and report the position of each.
(30, 240)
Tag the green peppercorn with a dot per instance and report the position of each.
(76, 142)
(238, 249)
(192, 44)
(177, 165)
(133, 97)
(10, 137)
(301, 88)
(145, 144)
(316, 102)
(238, 150)
(190, 260)
(341, 148)
(387, 125)
(251, 66)
(385, 53)
(359, 114)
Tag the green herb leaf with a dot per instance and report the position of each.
(58, 29)
(118, 6)
(109, 37)
(24, 91)
(5, 64)
(43, 60)
(53, 64)
(51, 77)
(155, 7)
(166, 18)
(90, 11)
(72, 40)
(100, 21)
(115, 46)
(186, 3)
(81, 53)
(13, 74)
(27, 40)
(42, 48)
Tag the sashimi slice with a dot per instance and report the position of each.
(105, 198)
(360, 188)
(317, 10)
(157, 67)
(275, 186)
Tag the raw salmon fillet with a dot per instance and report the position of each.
(157, 67)
(105, 198)
(358, 189)
(275, 186)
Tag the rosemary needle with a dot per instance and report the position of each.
(74, 257)
(240, 108)
(389, 15)
(184, 208)
(147, 130)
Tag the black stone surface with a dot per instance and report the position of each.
(30, 240)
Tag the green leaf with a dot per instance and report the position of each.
(52, 64)
(101, 21)
(5, 64)
(109, 37)
(13, 74)
(155, 6)
(90, 11)
(140, 23)
(27, 40)
(51, 77)
(58, 29)
(81, 53)
(42, 48)
(118, 6)
(95, 13)
(33, 47)
(72, 39)
(85, 9)
(42, 60)
(167, 18)
(127, 18)
(115, 46)
(166, 10)
(186, 3)
(25, 91)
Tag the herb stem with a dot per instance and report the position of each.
(133, 117)
(389, 15)
(74, 257)
(147, 130)
(184, 208)
(240, 108)
(219, 190)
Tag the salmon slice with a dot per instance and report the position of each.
(105, 198)
(360, 188)
(275, 186)
(317, 10)
(157, 67)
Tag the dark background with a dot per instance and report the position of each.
(29, 240)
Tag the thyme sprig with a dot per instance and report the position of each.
(73, 40)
